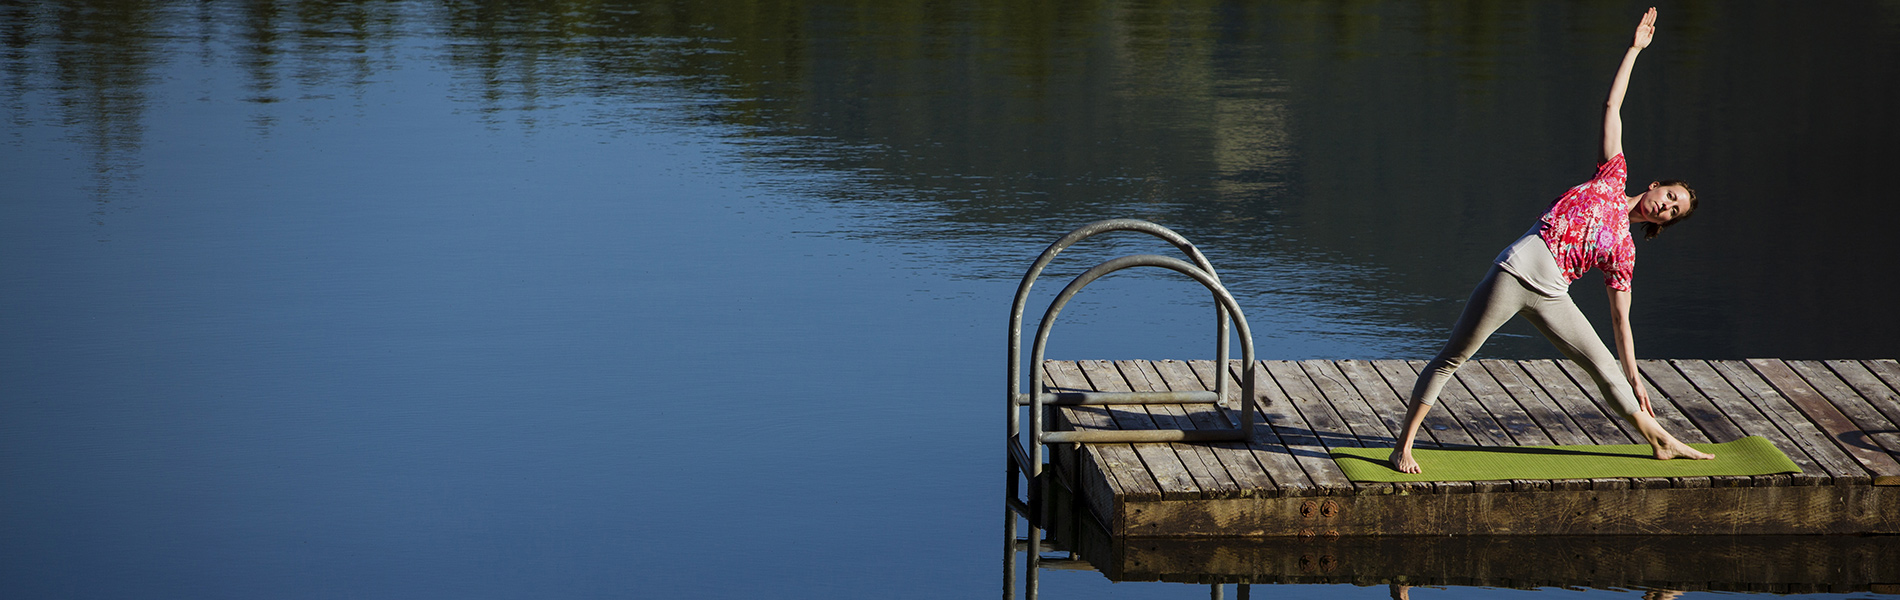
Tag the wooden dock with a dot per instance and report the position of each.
(1839, 420)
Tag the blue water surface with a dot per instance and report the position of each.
(315, 299)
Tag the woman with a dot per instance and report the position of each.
(1589, 226)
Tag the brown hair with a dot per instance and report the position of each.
(1651, 230)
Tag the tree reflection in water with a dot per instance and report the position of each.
(1373, 151)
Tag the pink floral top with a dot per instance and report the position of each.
(1589, 226)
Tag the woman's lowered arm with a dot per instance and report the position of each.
(1626, 346)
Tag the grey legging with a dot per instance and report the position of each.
(1498, 297)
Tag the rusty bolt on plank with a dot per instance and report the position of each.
(1325, 564)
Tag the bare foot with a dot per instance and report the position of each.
(1672, 448)
(1403, 463)
(1664, 446)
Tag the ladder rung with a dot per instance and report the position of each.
(1016, 454)
(1143, 435)
(1080, 398)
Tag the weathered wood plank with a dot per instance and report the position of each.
(1386, 405)
(1095, 470)
(1202, 465)
(1840, 429)
(1499, 402)
(1751, 421)
(1879, 394)
(1248, 475)
(1675, 418)
(1304, 396)
(1169, 472)
(1584, 383)
(1307, 443)
(1087, 473)
(1840, 466)
(1358, 413)
(1886, 369)
(1372, 388)
(1543, 411)
(1485, 428)
(1456, 401)
(1298, 470)
(1279, 435)
(1208, 473)
(1667, 413)
(1874, 426)
(1441, 423)
(1536, 403)
(1863, 407)
(1440, 429)
(1783, 510)
(1177, 375)
(1345, 399)
(1601, 426)
(1715, 425)
(1119, 461)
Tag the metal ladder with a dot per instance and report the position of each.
(1028, 461)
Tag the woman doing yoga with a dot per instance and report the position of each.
(1589, 226)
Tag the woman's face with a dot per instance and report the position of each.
(1660, 204)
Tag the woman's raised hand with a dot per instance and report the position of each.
(1646, 30)
(1612, 107)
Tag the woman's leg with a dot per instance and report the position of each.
(1566, 328)
(1498, 297)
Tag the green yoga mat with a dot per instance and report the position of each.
(1751, 455)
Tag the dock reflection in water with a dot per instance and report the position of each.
(1775, 564)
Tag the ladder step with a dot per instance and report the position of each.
(1144, 435)
(1098, 398)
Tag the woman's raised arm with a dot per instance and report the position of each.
(1613, 107)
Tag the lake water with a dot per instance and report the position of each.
(327, 298)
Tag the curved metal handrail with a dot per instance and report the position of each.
(1018, 460)
(1049, 254)
(1038, 436)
